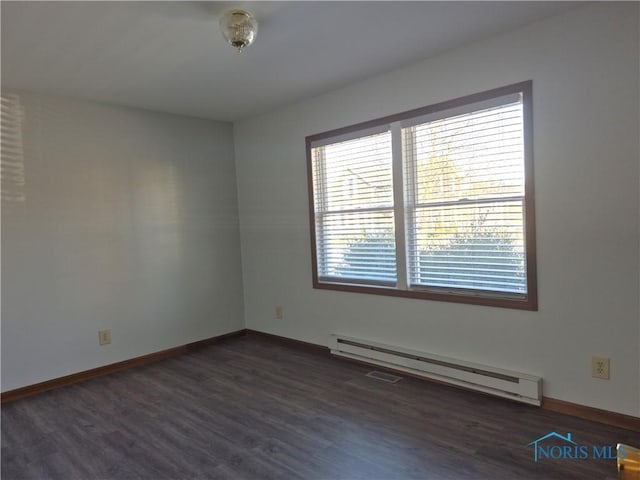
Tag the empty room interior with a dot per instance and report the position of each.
(320, 240)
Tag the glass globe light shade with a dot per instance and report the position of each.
(239, 28)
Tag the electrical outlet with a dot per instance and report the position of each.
(104, 336)
(600, 367)
(279, 313)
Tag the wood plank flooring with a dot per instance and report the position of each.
(250, 408)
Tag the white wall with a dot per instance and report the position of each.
(584, 67)
(112, 218)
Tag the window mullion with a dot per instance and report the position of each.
(398, 203)
(410, 176)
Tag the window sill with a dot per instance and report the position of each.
(489, 299)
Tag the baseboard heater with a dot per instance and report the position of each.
(496, 381)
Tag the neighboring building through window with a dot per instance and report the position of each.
(435, 203)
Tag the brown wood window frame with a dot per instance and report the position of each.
(476, 297)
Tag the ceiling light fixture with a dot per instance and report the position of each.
(239, 28)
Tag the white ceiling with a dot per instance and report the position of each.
(170, 56)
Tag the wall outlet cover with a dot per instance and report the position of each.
(600, 367)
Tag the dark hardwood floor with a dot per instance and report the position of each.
(252, 408)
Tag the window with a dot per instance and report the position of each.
(434, 203)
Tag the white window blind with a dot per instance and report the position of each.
(354, 210)
(433, 203)
(465, 201)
